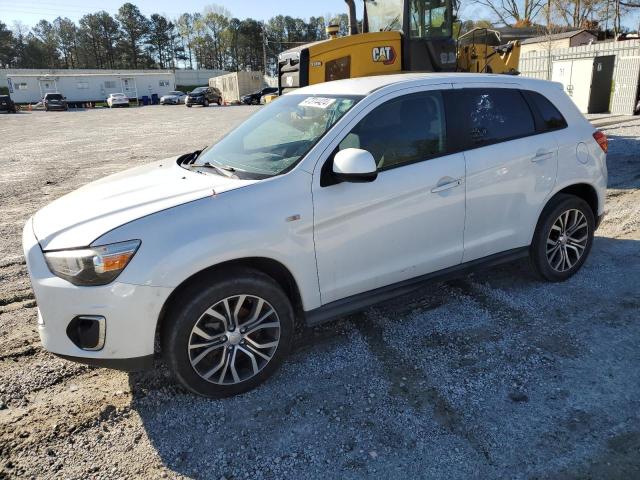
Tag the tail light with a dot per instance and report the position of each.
(602, 140)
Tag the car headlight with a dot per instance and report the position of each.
(94, 265)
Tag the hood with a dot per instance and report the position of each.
(78, 218)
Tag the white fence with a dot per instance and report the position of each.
(539, 64)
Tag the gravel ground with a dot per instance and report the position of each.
(495, 375)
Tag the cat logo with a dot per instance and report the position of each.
(386, 55)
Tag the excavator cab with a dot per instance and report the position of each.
(395, 36)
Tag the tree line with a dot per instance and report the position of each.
(212, 39)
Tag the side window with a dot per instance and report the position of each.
(403, 130)
(550, 116)
(485, 116)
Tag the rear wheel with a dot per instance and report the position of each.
(230, 336)
(219, 101)
(563, 238)
(205, 103)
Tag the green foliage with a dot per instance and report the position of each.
(212, 39)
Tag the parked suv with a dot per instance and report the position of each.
(255, 97)
(335, 197)
(54, 101)
(203, 96)
(7, 105)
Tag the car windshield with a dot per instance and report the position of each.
(199, 90)
(274, 139)
(54, 96)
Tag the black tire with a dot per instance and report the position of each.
(219, 101)
(205, 103)
(559, 205)
(187, 310)
(188, 106)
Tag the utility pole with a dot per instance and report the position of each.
(264, 48)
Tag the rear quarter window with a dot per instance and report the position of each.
(484, 116)
(549, 117)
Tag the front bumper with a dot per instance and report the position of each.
(131, 313)
(194, 101)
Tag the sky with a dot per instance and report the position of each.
(30, 12)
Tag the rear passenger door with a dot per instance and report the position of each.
(510, 166)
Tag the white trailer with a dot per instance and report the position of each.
(235, 85)
(89, 87)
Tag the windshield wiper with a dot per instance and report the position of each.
(223, 170)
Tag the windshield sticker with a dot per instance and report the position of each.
(317, 102)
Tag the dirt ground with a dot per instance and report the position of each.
(495, 375)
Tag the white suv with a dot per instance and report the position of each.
(331, 198)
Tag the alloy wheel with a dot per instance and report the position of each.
(234, 339)
(567, 240)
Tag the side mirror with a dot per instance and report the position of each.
(354, 165)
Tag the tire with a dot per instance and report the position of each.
(559, 247)
(193, 366)
(188, 106)
(205, 103)
(219, 102)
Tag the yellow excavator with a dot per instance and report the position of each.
(396, 36)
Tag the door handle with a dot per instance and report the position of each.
(446, 186)
(542, 155)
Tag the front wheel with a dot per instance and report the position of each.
(228, 337)
(563, 238)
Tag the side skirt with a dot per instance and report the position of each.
(360, 301)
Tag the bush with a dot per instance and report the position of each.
(4, 90)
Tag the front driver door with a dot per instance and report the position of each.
(406, 223)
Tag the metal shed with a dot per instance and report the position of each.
(89, 87)
(235, 85)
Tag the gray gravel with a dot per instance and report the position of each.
(495, 375)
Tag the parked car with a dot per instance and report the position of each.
(7, 105)
(203, 96)
(173, 98)
(256, 97)
(335, 197)
(54, 101)
(117, 100)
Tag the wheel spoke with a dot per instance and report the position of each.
(577, 240)
(201, 333)
(252, 357)
(257, 352)
(217, 316)
(234, 372)
(261, 326)
(566, 258)
(236, 311)
(204, 353)
(575, 228)
(224, 368)
(227, 311)
(261, 345)
(210, 373)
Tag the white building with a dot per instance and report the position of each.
(89, 86)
